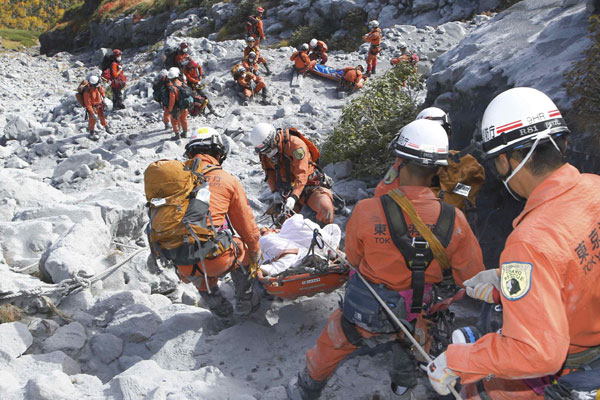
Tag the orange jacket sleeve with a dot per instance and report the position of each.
(172, 97)
(305, 58)
(115, 70)
(269, 173)
(242, 218)
(299, 168)
(190, 77)
(353, 244)
(464, 250)
(535, 333)
(261, 32)
(322, 45)
(87, 100)
(293, 57)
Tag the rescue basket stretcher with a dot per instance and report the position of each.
(327, 72)
(306, 280)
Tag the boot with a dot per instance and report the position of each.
(167, 126)
(108, 130)
(218, 305)
(246, 301)
(267, 68)
(303, 387)
(176, 136)
(403, 371)
(184, 134)
(374, 70)
(265, 95)
(92, 135)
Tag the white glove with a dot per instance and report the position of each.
(289, 204)
(440, 376)
(482, 285)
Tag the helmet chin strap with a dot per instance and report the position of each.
(505, 179)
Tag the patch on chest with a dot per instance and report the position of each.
(299, 154)
(390, 176)
(515, 280)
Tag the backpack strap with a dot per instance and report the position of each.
(419, 251)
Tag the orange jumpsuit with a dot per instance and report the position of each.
(320, 51)
(251, 67)
(352, 77)
(373, 37)
(369, 246)
(408, 57)
(244, 82)
(552, 311)
(193, 74)
(466, 171)
(227, 197)
(255, 50)
(301, 171)
(93, 99)
(179, 57)
(258, 32)
(301, 62)
(178, 117)
(117, 84)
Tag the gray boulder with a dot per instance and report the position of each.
(54, 386)
(16, 338)
(73, 163)
(350, 191)
(134, 323)
(69, 338)
(107, 347)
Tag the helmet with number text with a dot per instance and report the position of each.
(422, 141)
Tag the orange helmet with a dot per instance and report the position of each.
(117, 52)
(260, 10)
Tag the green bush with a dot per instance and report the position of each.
(369, 122)
(583, 84)
(25, 38)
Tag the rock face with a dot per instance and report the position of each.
(15, 339)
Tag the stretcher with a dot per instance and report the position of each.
(307, 280)
(327, 72)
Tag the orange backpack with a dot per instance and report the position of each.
(83, 86)
(314, 152)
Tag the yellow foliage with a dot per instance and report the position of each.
(35, 15)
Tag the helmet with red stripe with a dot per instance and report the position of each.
(519, 117)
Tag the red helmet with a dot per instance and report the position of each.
(117, 52)
(183, 45)
(260, 10)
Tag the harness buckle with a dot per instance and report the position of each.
(419, 243)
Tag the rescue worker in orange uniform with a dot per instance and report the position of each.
(118, 80)
(252, 47)
(254, 26)
(161, 82)
(352, 78)
(193, 75)
(181, 54)
(374, 37)
(93, 98)
(290, 169)
(229, 209)
(250, 64)
(405, 56)
(549, 268)
(302, 63)
(318, 50)
(458, 183)
(178, 116)
(371, 246)
(252, 84)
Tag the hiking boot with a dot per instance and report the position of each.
(218, 305)
(93, 136)
(374, 71)
(246, 301)
(176, 136)
(267, 68)
(167, 126)
(108, 130)
(184, 134)
(303, 387)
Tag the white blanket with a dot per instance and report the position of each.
(296, 233)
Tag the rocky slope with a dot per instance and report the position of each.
(77, 206)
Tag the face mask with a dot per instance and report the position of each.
(119, 58)
(185, 50)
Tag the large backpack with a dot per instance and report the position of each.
(83, 86)
(106, 62)
(159, 89)
(169, 57)
(314, 152)
(185, 100)
(234, 71)
(180, 228)
(251, 25)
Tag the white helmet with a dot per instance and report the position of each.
(373, 24)
(93, 80)
(263, 138)
(163, 73)
(438, 115)
(402, 45)
(304, 47)
(252, 56)
(519, 116)
(207, 139)
(173, 73)
(250, 38)
(422, 141)
(313, 43)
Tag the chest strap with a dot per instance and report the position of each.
(418, 251)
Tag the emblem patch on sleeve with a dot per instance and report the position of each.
(390, 176)
(299, 153)
(515, 280)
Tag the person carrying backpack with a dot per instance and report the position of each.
(254, 25)
(93, 100)
(289, 161)
(178, 114)
(115, 75)
(251, 84)
(302, 63)
(252, 47)
(352, 78)
(228, 212)
(390, 243)
(161, 95)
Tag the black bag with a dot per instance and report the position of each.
(106, 62)
(169, 58)
(185, 101)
